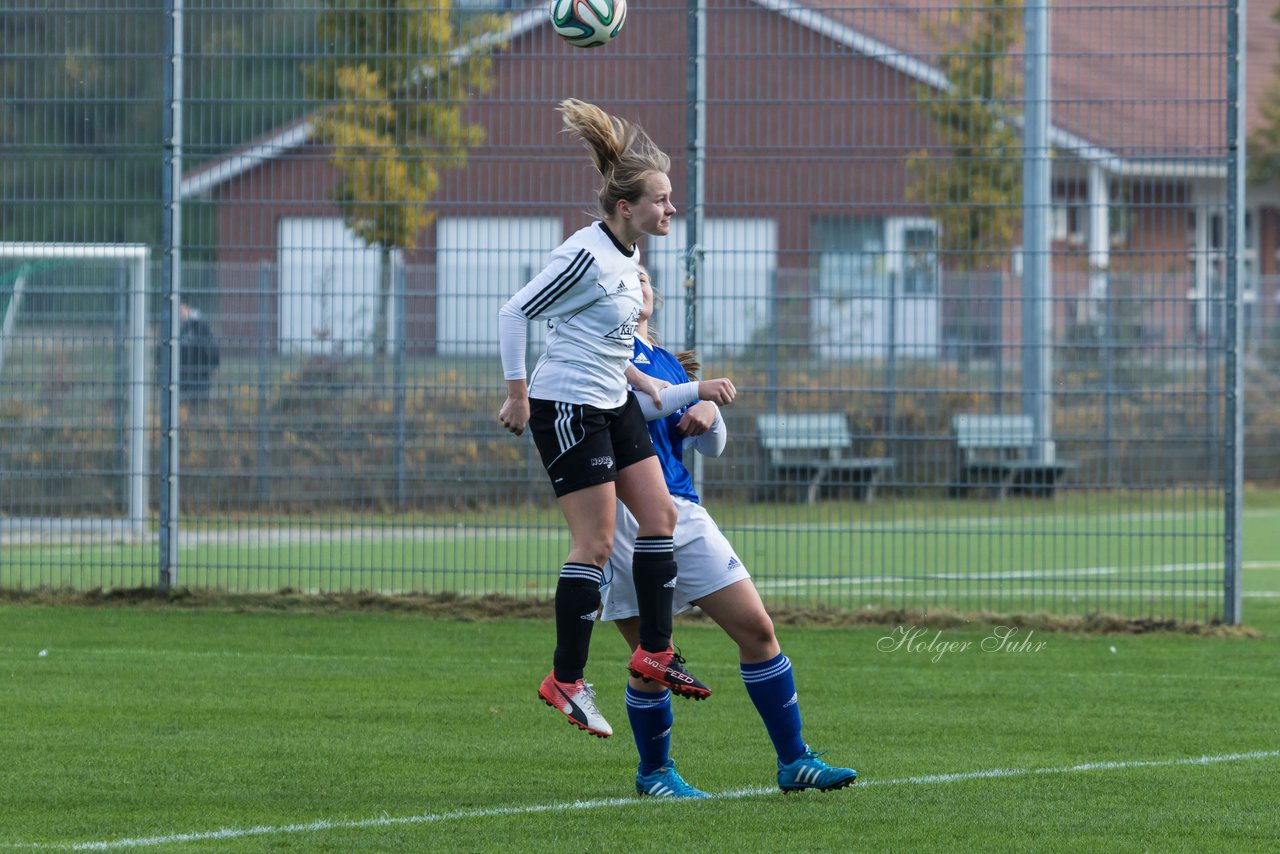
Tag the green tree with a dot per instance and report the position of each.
(1264, 143)
(971, 179)
(80, 118)
(82, 113)
(393, 82)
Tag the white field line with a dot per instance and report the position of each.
(169, 652)
(1064, 575)
(606, 803)
(58, 531)
(1136, 573)
(1119, 594)
(1059, 574)
(711, 667)
(949, 524)
(888, 580)
(1053, 580)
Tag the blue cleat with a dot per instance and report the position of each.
(810, 772)
(666, 783)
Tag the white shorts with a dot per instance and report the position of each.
(706, 561)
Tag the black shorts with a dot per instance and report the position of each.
(582, 446)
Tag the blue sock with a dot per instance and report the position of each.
(651, 718)
(773, 690)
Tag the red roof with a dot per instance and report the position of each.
(1142, 81)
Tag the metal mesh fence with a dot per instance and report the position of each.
(1030, 418)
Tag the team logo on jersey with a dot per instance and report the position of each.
(626, 330)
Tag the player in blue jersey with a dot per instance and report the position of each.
(714, 578)
(587, 426)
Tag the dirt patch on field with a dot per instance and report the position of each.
(497, 607)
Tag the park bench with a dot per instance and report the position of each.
(816, 448)
(996, 452)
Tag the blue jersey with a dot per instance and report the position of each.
(667, 440)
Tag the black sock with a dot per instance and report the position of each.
(654, 570)
(577, 600)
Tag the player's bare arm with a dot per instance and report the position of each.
(645, 384)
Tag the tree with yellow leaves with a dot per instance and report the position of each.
(972, 178)
(393, 80)
(1264, 143)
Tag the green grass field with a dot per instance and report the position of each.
(1139, 555)
(296, 724)
(171, 728)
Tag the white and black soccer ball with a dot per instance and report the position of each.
(588, 23)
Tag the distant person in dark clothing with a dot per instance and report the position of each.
(198, 356)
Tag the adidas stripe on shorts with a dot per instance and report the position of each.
(583, 446)
(707, 562)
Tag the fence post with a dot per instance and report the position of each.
(264, 401)
(1108, 381)
(1233, 493)
(696, 119)
(398, 387)
(1037, 289)
(171, 276)
(120, 369)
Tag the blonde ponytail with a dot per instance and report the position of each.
(621, 151)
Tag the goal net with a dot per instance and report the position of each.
(73, 391)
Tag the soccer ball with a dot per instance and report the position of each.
(588, 23)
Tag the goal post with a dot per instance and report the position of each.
(135, 259)
(15, 284)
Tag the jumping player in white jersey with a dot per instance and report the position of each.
(714, 578)
(587, 426)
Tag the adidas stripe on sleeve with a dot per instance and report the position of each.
(589, 296)
(540, 296)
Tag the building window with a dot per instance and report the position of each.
(1066, 223)
(917, 257)
(1069, 218)
(850, 256)
(875, 256)
(1218, 251)
(1119, 221)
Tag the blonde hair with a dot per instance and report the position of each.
(688, 360)
(622, 152)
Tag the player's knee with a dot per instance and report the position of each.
(756, 636)
(664, 517)
(655, 518)
(599, 548)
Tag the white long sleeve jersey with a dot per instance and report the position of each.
(589, 294)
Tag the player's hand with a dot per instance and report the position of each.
(697, 419)
(720, 392)
(514, 414)
(645, 384)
